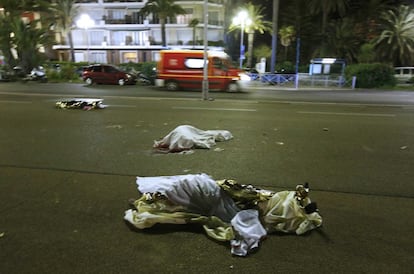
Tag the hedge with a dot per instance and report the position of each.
(373, 75)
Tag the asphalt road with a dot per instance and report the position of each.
(66, 176)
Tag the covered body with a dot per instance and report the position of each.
(228, 211)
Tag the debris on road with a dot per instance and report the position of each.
(187, 137)
(81, 103)
(114, 126)
(404, 147)
(228, 211)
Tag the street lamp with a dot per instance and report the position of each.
(85, 22)
(243, 20)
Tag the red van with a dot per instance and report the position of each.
(185, 69)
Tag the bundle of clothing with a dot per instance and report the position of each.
(227, 210)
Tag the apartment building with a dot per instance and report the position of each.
(118, 33)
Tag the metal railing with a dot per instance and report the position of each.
(298, 80)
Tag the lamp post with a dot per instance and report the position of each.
(242, 20)
(85, 22)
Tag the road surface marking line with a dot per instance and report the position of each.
(15, 102)
(122, 106)
(347, 114)
(224, 109)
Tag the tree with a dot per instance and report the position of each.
(21, 38)
(327, 7)
(396, 41)
(341, 40)
(193, 24)
(28, 38)
(256, 23)
(64, 13)
(5, 40)
(163, 9)
(296, 13)
(366, 53)
(287, 36)
(262, 51)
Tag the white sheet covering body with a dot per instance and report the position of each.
(197, 193)
(186, 137)
(199, 198)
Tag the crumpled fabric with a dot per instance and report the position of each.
(228, 211)
(186, 137)
(284, 213)
(247, 225)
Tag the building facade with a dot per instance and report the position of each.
(117, 33)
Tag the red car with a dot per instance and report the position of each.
(107, 74)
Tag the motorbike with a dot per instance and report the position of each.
(145, 80)
(37, 74)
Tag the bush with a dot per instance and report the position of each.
(63, 71)
(148, 68)
(285, 67)
(130, 67)
(371, 75)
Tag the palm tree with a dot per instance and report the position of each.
(366, 14)
(296, 13)
(28, 38)
(20, 37)
(64, 12)
(256, 23)
(396, 41)
(193, 24)
(327, 7)
(287, 36)
(163, 9)
(342, 41)
(5, 39)
(275, 19)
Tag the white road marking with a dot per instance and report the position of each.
(347, 113)
(214, 109)
(14, 102)
(122, 106)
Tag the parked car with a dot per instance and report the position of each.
(107, 74)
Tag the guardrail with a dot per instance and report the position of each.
(273, 78)
(296, 80)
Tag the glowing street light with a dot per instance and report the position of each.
(243, 20)
(85, 22)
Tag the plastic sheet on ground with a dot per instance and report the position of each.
(81, 103)
(186, 137)
(228, 211)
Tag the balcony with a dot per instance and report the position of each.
(121, 1)
(86, 1)
(106, 1)
(221, 2)
(128, 19)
